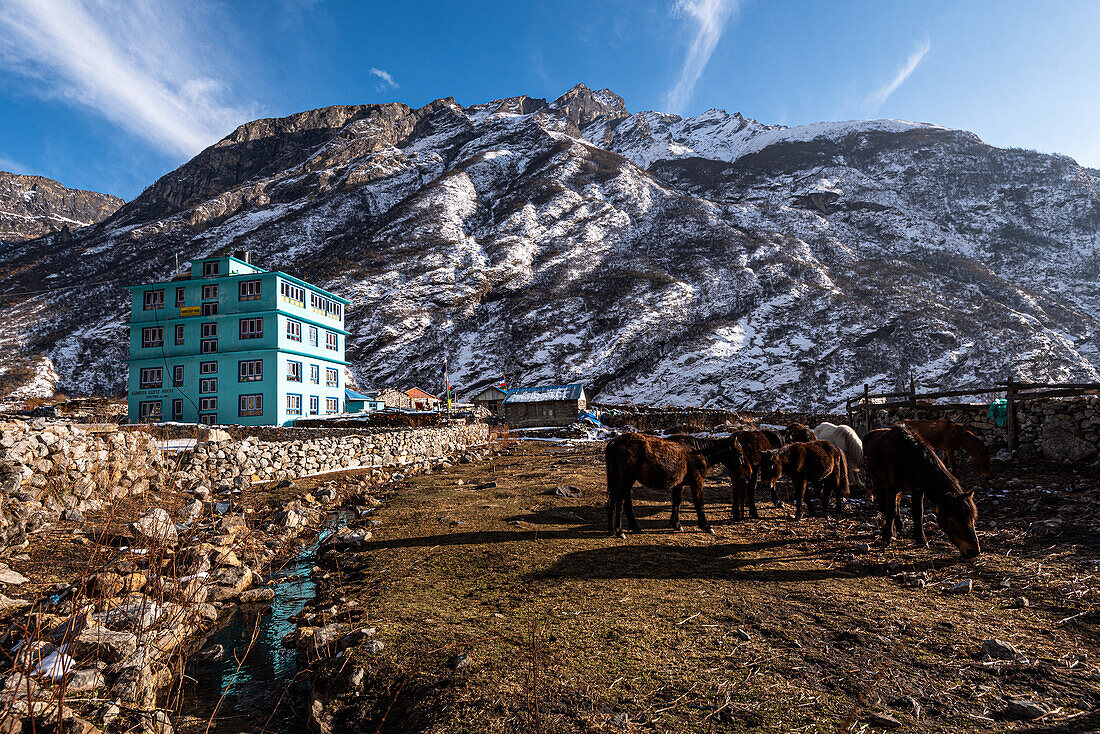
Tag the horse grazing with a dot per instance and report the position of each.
(811, 461)
(775, 438)
(799, 433)
(658, 464)
(725, 451)
(754, 446)
(947, 436)
(847, 440)
(898, 461)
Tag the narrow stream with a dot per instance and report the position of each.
(260, 693)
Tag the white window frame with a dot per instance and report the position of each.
(211, 269)
(152, 336)
(250, 405)
(208, 368)
(294, 330)
(332, 341)
(248, 330)
(332, 377)
(210, 291)
(210, 308)
(147, 414)
(180, 334)
(181, 296)
(250, 290)
(293, 404)
(210, 330)
(314, 404)
(332, 406)
(208, 346)
(153, 300)
(177, 409)
(293, 371)
(250, 370)
(315, 374)
(292, 293)
(313, 336)
(177, 375)
(151, 378)
(208, 385)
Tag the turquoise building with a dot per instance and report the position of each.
(228, 342)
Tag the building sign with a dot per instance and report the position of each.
(190, 310)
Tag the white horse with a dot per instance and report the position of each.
(847, 440)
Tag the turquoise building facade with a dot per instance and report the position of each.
(226, 342)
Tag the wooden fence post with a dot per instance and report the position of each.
(866, 407)
(1010, 415)
(913, 395)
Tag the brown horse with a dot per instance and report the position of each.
(658, 464)
(799, 433)
(754, 446)
(810, 461)
(897, 461)
(947, 436)
(720, 451)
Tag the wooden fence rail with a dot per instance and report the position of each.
(1013, 391)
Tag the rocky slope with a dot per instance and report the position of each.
(32, 206)
(709, 260)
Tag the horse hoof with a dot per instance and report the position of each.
(620, 535)
(709, 531)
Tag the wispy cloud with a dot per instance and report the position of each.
(387, 79)
(147, 67)
(710, 18)
(12, 166)
(876, 99)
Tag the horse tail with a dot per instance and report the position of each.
(611, 461)
(842, 476)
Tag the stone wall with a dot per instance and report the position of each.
(47, 469)
(1058, 429)
(251, 457)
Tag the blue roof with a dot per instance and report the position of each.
(350, 394)
(545, 393)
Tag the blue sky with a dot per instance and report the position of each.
(109, 95)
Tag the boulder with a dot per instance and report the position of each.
(156, 528)
(104, 644)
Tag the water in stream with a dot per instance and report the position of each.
(260, 692)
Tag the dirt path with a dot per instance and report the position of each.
(767, 626)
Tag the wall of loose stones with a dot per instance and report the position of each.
(230, 460)
(1059, 429)
(50, 468)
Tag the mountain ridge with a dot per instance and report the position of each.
(32, 206)
(707, 260)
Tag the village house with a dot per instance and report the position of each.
(228, 342)
(556, 405)
(391, 398)
(423, 400)
(357, 402)
(490, 398)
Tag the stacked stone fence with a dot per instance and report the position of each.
(48, 469)
(265, 460)
(1058, 429)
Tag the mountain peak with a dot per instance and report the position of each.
(582, 106)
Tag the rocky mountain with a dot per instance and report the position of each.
(32, 206)
(709, 260)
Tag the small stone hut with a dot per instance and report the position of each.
(554, 405)
(490, 398)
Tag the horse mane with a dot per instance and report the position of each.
(925, 467)
(971, 441)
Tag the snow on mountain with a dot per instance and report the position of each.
(708, 260)
(31, 206)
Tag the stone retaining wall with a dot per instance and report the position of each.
(48, 468)
(1059, 429)
(251, 457)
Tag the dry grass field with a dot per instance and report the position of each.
(770, 625)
